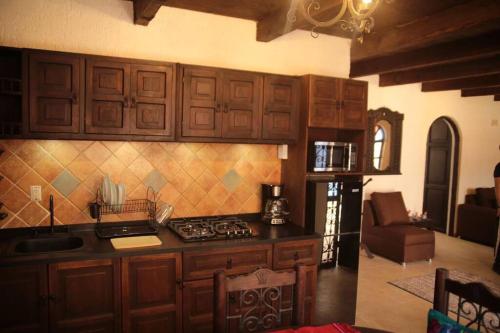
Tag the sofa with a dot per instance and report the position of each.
(476, 218)
(388, 232)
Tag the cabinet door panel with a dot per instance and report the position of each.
(55, 94)
(86, 296)
(108, 89)
(151, 293)
(197, 306)
(324, 99)
(152, 100)
(354, 104)
(289, 254)
(201, 107)
(24, 299)
(242, 105)
(281, 107)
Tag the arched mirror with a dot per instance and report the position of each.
(384, 142)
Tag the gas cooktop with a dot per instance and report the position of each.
(211, 228)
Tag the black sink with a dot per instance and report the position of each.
(49, 244)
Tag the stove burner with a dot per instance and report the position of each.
(197, 229)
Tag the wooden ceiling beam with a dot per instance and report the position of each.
(481, 91)
(459, 50)
(145, 10)
(457, 70)
(276, 24)
(463, 83)
(460, 21)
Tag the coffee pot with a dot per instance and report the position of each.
(274, 205)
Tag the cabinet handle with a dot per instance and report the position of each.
(226, 108)
(74, 98)
(229, 263)
(125, 101)
(179, 283)
(217, 108)
(296, 256)
(133, 102)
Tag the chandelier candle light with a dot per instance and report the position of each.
(360, 21)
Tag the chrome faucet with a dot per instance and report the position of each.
(51, 209)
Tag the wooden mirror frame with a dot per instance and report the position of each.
(396, 120)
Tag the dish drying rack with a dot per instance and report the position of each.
(129, 228)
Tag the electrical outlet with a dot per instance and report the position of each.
(36, 193)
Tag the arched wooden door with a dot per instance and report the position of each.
(441, 174)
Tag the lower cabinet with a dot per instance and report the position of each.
(197, 306)
(151, 293)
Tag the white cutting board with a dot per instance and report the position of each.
(136, 241)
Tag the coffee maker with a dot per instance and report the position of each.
(274, 205)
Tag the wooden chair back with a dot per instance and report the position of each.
(259, 301)
(477, 305)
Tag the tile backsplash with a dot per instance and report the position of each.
(197, 178)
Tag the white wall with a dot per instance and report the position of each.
(105, 27)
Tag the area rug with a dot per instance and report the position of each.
(423, 287)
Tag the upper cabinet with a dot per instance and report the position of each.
(336, 103)
(281, 107)
(237, 105)
(56, 92)
(129, 99)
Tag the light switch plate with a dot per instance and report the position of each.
(283, 152)
(36, 193)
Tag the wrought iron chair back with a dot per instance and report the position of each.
(259, 301)
(478, 307)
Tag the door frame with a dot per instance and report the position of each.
(453, 183)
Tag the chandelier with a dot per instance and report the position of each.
(359, 23)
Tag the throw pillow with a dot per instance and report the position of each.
(439, 323)
(486, 197)
(389, 208)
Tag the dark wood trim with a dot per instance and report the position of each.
(442, 72)
(481, 91)
(496, 98)
(462, 83)
(459, 50)
(145, 10)
(444, 26)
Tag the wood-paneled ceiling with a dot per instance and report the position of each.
(445, 44)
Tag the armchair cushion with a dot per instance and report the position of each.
(389, 208)
(486, 197)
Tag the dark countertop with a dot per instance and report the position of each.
(95, 248)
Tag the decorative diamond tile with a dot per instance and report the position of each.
(65, 183)
(155, 154)
(252, 205)
(242, 192)
(49, 145)
(230, 206)
(184, 208)
(13, 145)
(169, 194)
(141, 167)
(195, 146)
(97, 153)
(31, 152)
(207, 206)
(15, 199)
(181, 181)
(82, 167)
(16, 223)
(194, 193)
(94, 181)
(112, 167)
(194, 168)
(169, 168)
(207, 153)
(65, 153)
(81, 145)
(207, 180)
(67, 213)
(33, 213)
(31, 178)
(46, 192)
(219, 193)
(13, 168)
(155, 180)
(169, 147)
(112, 145)
(5, 185)
(140, 146)
(48, 168)
(130, 180)
(81, 197)
(126, 153)
(231, 180)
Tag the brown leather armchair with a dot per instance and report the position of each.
(476, 218)
(388, 232)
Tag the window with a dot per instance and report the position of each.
(378, 145)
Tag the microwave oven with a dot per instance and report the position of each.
(333, 156)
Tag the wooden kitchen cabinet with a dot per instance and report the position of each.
(289, 254)
(129, 99)
(197, 306)
(281, 107)
(151, 291)
(56, 92)
(24, 304)
(85, 296)
(337, 103)
(223, 104)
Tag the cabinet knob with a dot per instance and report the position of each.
(179, 283)
(125, 101)
(133, 102)
(229, 263)
(226, 108)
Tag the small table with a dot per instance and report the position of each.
(424, 223)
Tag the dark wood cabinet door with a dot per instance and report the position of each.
(152, 96)
(201, 102)
(55, 92)
(242, 108)
(324, 102)
(108, 97)
(289, 254)
(353, 113)
(151, 288)
(23, 305)
(197, 306)
(281, 107)
(85, 296)
(310, 295)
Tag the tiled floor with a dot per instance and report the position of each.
(381, 305)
